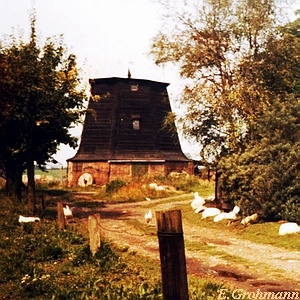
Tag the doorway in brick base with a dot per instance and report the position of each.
(140, 170)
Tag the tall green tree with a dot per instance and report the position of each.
(209, 42)
(264, 178)
(242, 96)
(40, 99)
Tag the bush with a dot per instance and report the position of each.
(114, 186)
(263, 180)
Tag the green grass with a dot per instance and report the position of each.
(264, 233)
(39, 261)
(55, 172)
(267, 233)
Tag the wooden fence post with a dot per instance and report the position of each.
(172, 256)
(94, 233)
(60, 216)
(42, 203)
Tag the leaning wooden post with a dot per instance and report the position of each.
(172, 256)
(43, 206)
(60, 216)
(94, 233)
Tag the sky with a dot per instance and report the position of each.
(107, 36)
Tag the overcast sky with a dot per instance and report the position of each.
(107, 36)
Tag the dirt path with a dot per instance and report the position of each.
(236, 262)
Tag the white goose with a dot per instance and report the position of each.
(148, 217)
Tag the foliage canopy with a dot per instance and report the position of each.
(240, 60)
(40, 100)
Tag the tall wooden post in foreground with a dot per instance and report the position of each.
(94, 233)
(172, 256)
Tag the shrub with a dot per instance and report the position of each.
(263, 180)
(114, 186)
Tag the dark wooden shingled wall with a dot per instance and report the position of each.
(134, 105)
(108, 131)
(98, 125)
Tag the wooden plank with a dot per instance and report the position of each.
(60, 216)
(172, 256)
(94, 233)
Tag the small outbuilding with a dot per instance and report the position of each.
(123, 135)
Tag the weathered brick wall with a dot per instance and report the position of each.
(179, 167)
(104, 172)
(120, 171)
(98, 170)
(70, 174)
(157, 170)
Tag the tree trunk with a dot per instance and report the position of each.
(31, 186)
(20, 184)
(11, 186)
(218, 197)
(13, 176)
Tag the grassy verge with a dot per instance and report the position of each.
(39, 261)
(264, 233)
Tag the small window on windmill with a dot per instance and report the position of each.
(134, 87)
(136, 122)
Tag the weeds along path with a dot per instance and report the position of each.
(210, 253)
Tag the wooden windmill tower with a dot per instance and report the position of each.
(124, 137)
